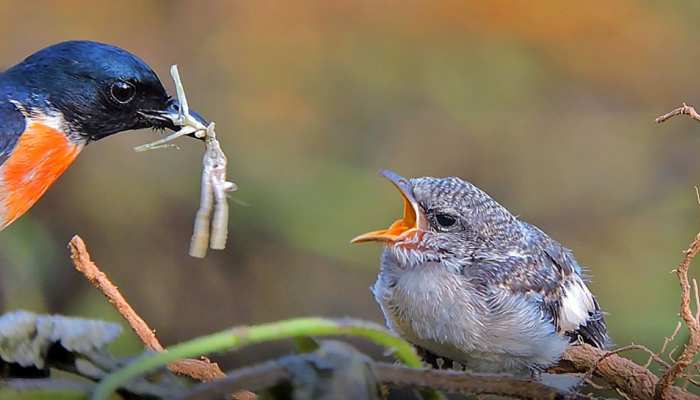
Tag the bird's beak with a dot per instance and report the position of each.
(413, 219)
(169, 117)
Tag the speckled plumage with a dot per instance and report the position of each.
(491, 292)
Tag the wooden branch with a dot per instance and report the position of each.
(621, 373)
(201, 370)
(684, 110)
(465, 383)
(271, 373)
(691, 321)
(83, 263)
(256, 378)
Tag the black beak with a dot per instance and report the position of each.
(169, 117)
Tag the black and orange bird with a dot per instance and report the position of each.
(60, 99)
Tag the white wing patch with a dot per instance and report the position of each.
(576, 304)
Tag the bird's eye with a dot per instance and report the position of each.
(123, 92)
(445, 220)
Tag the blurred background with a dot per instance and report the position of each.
(549, 106)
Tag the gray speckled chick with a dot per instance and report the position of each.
(464, 280)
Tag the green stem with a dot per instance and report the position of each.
(236, 338)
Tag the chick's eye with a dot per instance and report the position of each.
(445, 220)
(123, 92)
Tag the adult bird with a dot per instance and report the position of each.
(57, 101)
(466, 281)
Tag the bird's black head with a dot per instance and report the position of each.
(98, 89)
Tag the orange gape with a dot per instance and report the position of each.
(41, 155)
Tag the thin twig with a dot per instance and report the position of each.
(83, 263)
(684, 110)
(594, 385)
(693, 345)
(623, 394)
(697, 299)
(652, 356)
(202, 369)
(671, 354)
(667, 341)
(694, 378)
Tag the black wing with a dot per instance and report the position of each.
(12, 125)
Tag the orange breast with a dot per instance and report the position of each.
(41, 155)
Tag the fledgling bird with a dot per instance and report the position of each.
(465, 280)
(61, 98)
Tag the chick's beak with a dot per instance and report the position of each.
(412, 221)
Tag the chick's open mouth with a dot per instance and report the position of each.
(412, 221)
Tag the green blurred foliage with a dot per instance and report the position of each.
(548, 106)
